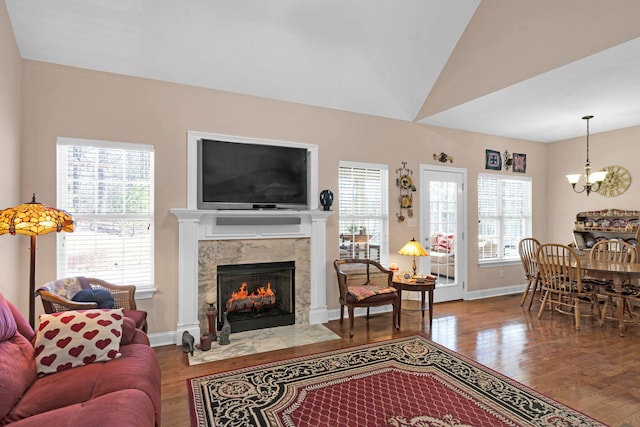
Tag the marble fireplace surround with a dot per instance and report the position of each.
(206, 237)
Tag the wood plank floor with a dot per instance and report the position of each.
(594, 371)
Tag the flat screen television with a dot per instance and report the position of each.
(234, 175)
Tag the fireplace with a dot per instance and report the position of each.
(202, 233)
(257, 295)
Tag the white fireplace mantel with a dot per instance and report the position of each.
(195, 225)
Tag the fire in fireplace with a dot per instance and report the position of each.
(257, 295)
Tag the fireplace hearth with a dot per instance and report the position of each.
(256, 295)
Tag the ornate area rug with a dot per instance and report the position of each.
(408, 382)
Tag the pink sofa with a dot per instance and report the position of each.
(123, 391)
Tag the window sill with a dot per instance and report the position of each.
(498, 263)
(145, 293)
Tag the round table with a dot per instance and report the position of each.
(429, 285)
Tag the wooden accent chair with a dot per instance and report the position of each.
(57, 296)
(561, 275)
(527, 249)
(617, 251)
(365, 283)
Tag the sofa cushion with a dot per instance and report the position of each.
(73, 338)
(8, 327)
(128, 407)
(17, 368)
(136, 369)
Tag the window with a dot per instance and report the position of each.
(108, 188)
(504, 215)
(364, 211)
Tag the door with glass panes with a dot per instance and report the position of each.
(443, 228)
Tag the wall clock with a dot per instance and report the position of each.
(617, 181)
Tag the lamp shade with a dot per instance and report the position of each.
(413, 248)
(597, 176)
(574, 178)
(33, 219)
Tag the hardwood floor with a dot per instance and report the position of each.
(594, 371)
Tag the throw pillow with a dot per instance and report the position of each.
(444, 242)
(74, 338)
(17, 369)
(102, 297)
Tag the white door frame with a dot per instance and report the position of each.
(462, 239)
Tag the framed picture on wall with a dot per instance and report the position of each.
(519, 162)
(493, 160)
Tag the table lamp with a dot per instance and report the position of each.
(414, 249)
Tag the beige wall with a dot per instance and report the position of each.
(71, 102)
(14, 278)
(618, 147)
(63, 101)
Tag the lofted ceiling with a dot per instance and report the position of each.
(513, 68)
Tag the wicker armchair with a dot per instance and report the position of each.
(57, 296)
(365, 283)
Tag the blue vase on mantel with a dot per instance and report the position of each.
(326, 199)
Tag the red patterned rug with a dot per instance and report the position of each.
(408, 382)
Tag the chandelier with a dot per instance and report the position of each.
(592, 179)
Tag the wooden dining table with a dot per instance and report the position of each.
(618, 273)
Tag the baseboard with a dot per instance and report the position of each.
(496, 292)
(485, 293)
(166, 338)
(162, 338)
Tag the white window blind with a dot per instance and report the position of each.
(108, 189)
(504, 214)
(363, 211)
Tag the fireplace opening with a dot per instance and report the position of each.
(256, 296)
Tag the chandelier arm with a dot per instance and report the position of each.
(584, 187)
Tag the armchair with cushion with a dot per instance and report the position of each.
(365, 283)
(58, 295)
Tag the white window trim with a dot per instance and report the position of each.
(498, 262)
(142, 292)
(384, 244)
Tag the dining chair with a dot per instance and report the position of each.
(561, 276)
(613, 250)
(527, 249)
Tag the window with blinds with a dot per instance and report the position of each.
(363, 211)
(504, 215)
(108, 189)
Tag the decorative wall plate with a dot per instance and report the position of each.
(406, 201)
(617, 181)
(406, 182)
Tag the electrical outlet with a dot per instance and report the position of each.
(502, 274)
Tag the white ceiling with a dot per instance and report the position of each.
(502, 67)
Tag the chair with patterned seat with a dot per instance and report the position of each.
(365, 283)
(562, 287)
(58, 295)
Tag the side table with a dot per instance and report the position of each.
(402, 284)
